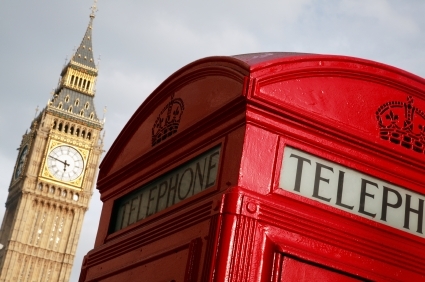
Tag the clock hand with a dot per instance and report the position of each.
(64, 162)
(64, 165)
(57, 159)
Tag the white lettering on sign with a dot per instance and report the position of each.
(352, 191)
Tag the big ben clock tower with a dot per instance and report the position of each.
(53, 179)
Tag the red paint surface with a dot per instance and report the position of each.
(246, 228)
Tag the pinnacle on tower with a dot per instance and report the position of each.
(76, 88)
(84, 53)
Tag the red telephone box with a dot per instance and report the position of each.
(268, 167)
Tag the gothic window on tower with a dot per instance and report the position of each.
(67, 98)
(35, 225)
(72, 79)
(71, 131)
(66, 128)
(89, 135)
(52, 232)
(54, 124)
(77, 132)
(39, 231)
(82, 113)
(83, 133)
(88, 84)
(58, 235)
(60, 127)
(87, 105)
(21, 272)
(31, 268)
(91, 115)
(60, 106)
(77, 102)
(48, 273)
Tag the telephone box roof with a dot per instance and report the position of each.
(256, 59)
(251, 72)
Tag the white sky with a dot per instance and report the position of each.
(143, 42)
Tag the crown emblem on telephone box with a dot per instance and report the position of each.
(402, 123)
(167, 123)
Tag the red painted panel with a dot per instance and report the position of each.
(298, 271)
(153, 270)
(347, 103)
(258, 160)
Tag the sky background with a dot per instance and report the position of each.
(141, 43)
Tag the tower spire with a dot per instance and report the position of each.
(84, 53)
(76, 88)
(93, 9)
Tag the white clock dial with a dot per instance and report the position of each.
(65, 163)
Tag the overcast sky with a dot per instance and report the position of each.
(141, 43)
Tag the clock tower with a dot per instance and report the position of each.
(54, 176)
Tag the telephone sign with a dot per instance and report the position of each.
(184, 182)
(352, 191)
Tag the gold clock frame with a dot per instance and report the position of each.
(45, 173)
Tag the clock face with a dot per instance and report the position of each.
(21, 161)
(65, 163)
